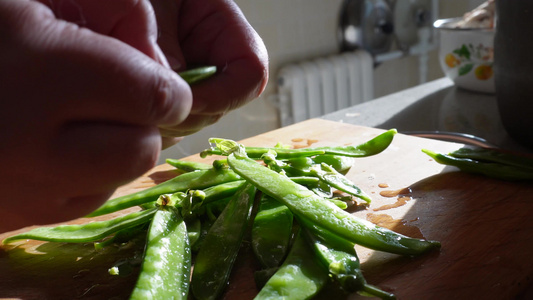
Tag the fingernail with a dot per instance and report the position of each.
(160, 56)
(175, 64)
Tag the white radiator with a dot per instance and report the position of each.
(313, 88)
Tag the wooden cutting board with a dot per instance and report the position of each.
(484, 226)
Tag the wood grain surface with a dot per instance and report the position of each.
(485, 227)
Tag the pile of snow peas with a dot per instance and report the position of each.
(283, 201)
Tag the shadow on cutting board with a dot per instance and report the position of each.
(486, 232)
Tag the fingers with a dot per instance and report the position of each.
(192, 124)
(235, 85)
(114, 153)
(212, 33)
(101, 77)
(167, 23)
(130, 21)
(80, 113)
(167, 142)
(216, 32)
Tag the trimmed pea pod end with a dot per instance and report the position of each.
(187, 203)
(220, 164)
(228, 147)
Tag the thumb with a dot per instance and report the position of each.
(130, 21)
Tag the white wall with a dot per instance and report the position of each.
(294, 30)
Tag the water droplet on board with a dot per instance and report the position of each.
(402, 195)
(391, 193)
(399, 226)
(311, 142)
(399, 202)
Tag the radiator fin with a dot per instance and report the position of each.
(316, 87)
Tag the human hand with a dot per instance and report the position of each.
(211, 32)
(84, 90)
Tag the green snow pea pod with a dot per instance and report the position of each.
(193, 180)
(338, 202)
(123, 236)
(322, 189)
(489, 169)
(194, 230)
(206, 224)
(221, 245)
(283, 167)
(84, 233)
(214, 209)
(301, 276)
(166, 266)
(208, 195)
(187, 166)
(305, 180)
(271, 232)
(307, 205)
(341, 164)
(300, 169)
(495, 156)
(196, 75)
(325, 172)
(187, 203)
(339, 181)
(257, 152)
(339, 257)
(301, 163)
(369, 148)
(223, 190)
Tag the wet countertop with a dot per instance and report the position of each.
(434, 106)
